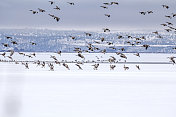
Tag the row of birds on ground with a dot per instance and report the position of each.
(90, 46)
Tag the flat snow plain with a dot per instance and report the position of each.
(38, 92)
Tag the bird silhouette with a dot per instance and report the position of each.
(71, 3)
(57, 8)
(142, 12)
(107, 15)
(104, 7)
(41, 10)
(34, 12)
(165, 6)
(125, 67)
(51, 2)
(137, 66)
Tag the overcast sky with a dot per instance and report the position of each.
(85, 14)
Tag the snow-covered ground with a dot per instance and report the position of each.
(38, 92)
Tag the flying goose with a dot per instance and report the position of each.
(149, 12)
(146, 46)
(137, 66)
(5, 44)
(165, 6)
(71, 3)
(125, 68)
(59, 52)
(66, 66)
(104, 7)
(168, 16)
(51, 2)
(57, 8)
(57, 18)
(51, 66)
(112, 67)
(96, 66)
(106, 30)
(88, 34)
(137, 54)
(114, 3)
(34, 12)
(107, 15)
(169, 23)
(102, 39)
(7, 37)
(72, 37)
(143, 13)
(106, 3)
(79, 66)
(81, 56)
(172, 59)
(41, 10)
(33, 43)
(14, 42)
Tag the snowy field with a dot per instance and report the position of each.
(39, 92)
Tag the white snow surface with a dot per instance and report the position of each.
(38, 92)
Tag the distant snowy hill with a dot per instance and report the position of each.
(52, 41)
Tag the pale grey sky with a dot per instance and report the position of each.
(85, 14)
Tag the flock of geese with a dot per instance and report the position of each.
(169, 27)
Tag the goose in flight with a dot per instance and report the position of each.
(146, 46)
(88, 34)
(112, 67)
(106, 3)
(34, 12)
(96, 66)
(56, 18)
(7, 37)
(59, 52)
(149, 12)
(120, 36)
(172, 59)
(102, 39)
(14, 42)
(104, 7)
(165, 6)
(169, 23)
(57, 8)
(125, 68)
(168, 30)
(51, 2)
(168, 16)
(3, 54)
(137, 66)
(51, 66)
(5, 44)
(107, 15)
(156, 32)
(71, 3)
(106, 30)
(81, 56)
(79, 66)
(173, 14)
(51, 15)
(164, 24)
(137, 54)
(41, 10)
(66, 66)
(73, 37)
(123, 56)
(33, 43)
(11, 52)
(114, 3)
(143, 13)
